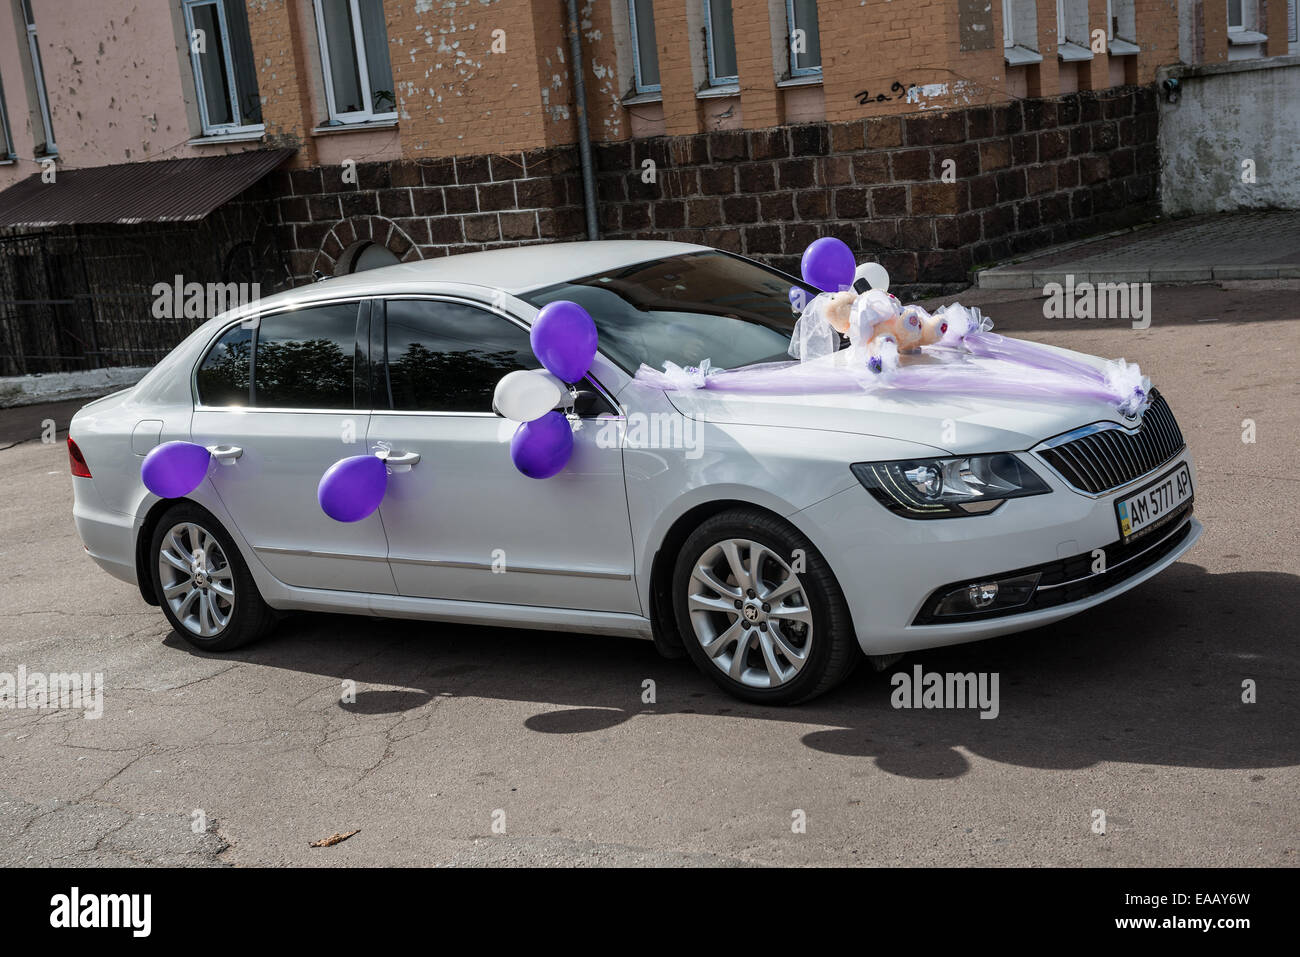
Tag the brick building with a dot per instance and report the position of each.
(937, 136)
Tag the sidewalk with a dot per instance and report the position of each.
(1254, 245)
(23, 390)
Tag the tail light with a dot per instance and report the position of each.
(77, 460)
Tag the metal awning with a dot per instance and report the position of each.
(162, 191)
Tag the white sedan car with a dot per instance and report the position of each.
(776, 538)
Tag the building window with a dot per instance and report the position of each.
(45, 134)
(225, 77)
(6, 137)
(805, 38)
(1020, 32)
(720, 43)
(1237, 13)
(354, 57)
(645, 53)
(1121, 27)
(1245, 38)
(1073, 40)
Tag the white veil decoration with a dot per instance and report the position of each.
(969, 359)
(813, 335)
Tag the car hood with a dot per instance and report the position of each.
(959, 424)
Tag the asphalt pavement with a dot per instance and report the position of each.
(477, 746)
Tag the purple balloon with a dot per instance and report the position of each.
(542, 447)
(352, 488)
(564, 339)
(174, 469)
(828, 264)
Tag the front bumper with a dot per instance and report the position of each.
(891, 568)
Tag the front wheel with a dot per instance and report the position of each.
(202, 583)
(760, 611)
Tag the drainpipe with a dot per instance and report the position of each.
(584, 134)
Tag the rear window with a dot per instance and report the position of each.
(223, 376)
(685, 309)
(305, 358)
(302, 359)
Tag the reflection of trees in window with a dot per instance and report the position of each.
(461, 381)
(223, 378)
(304, 373)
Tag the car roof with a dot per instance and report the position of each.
(515, 270)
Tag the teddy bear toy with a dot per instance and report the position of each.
(933, 327)
(877, 315)
(839, 310)
(878, 323)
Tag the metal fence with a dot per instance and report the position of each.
(74, 298)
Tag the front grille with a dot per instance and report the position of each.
(1072, 579)
(1107, 458)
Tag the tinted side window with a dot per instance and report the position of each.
(446, 357)
(223, 377)
(305, 358)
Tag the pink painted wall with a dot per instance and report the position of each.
(113, 72)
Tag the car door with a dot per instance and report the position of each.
(463, 523)
(283, 398)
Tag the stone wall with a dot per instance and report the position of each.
(931, 195)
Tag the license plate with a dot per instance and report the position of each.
(1144, 510)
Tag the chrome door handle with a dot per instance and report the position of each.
(399, 461)
(225, 454)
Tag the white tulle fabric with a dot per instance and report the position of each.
(969, 359)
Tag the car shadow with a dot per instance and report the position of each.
(1153, 677)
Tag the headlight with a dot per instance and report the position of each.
(948, 488)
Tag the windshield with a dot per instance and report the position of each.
(685, 309)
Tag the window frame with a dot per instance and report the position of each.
(6, 131)
(362, 374)
(1008, 24)
(381, 384)
(368, 115)
(50, 147)
(791, 26)
(228, 61)
(638, 86)
(1249, 17)
(710, 64)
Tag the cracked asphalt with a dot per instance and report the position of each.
(1133, 709)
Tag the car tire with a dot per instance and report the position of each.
(803, 639)
(217, 607)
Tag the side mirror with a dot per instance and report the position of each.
(588, 402)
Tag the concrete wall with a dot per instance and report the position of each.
(1229, 113)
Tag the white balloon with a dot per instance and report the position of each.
(524, 395)
(875, 274)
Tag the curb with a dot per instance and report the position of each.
(16, 391)
(1023, 277)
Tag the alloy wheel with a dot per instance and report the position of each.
(197, 581)
(750, 613)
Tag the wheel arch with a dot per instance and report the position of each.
(667, 638)
(144, 538)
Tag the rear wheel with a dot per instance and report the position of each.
(759, 610)
(202, 583)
